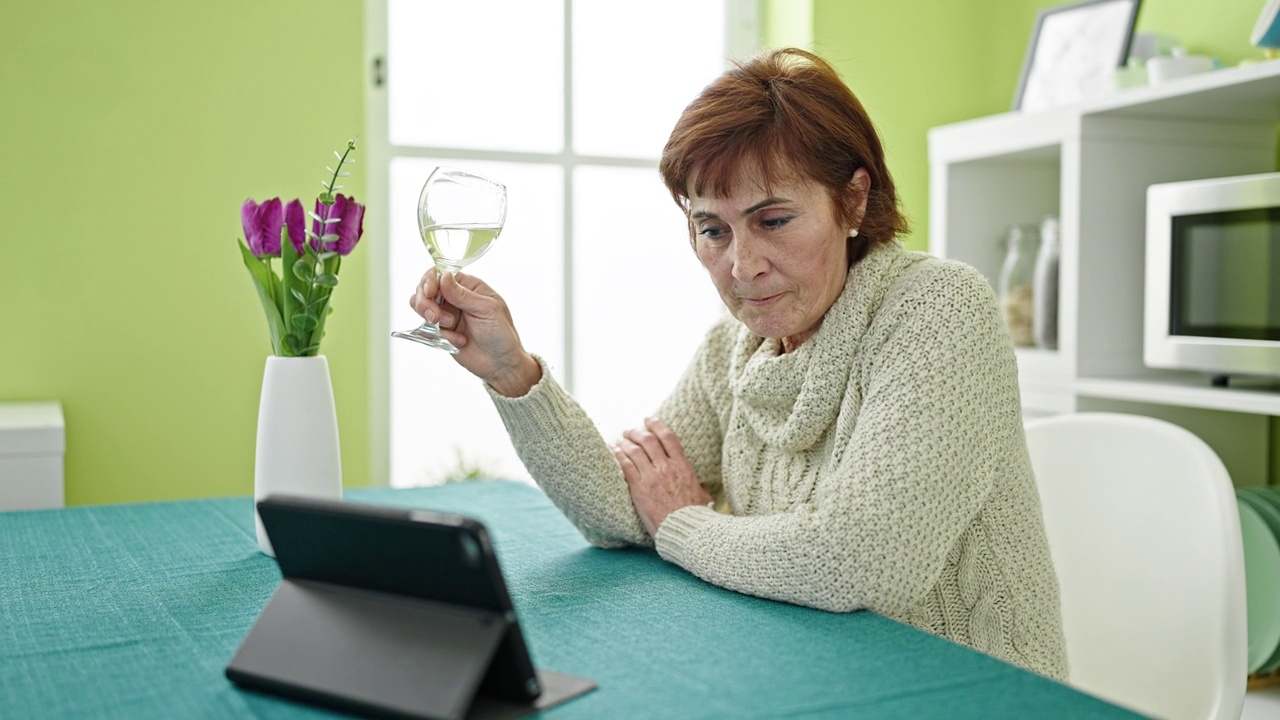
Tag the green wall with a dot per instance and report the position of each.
(132, 132)
(917, 64)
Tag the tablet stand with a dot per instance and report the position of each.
(384, 654)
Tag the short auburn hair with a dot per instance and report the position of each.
(788, 112)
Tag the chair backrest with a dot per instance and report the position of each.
(1144, 531)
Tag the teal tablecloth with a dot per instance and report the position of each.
(133, 611)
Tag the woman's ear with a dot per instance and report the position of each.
(859, 191)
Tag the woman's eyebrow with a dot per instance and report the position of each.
(704, 214)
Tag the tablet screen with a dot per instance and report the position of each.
(439, 557)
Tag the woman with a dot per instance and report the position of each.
(851, 437)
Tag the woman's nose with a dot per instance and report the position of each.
(749, 260)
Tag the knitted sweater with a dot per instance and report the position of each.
(881, 465)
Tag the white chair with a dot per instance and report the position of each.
(1144, 531)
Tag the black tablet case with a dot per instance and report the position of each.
(393, 613)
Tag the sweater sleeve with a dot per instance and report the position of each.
(939, 408)
(564, 452)
(562, 449)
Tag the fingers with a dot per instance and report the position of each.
(458, 296)
(630, 472)
(645, 444)
(429, 302)
(456, 335)
(658, 482)
(444, 314)
(635, 454)
(666, 437)
(470, 282)
(468, 293)
(657, 440)
(423, 301)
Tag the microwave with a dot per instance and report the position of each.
(1212, 300)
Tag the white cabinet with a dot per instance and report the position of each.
(32, 442)
(1090, 166)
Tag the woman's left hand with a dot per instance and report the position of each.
(658, 474)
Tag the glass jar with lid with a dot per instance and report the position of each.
(1044, 321)
(1015, 286)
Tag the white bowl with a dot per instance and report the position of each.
(1163, 68)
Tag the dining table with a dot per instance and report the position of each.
(134, 611)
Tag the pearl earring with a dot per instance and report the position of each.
(853, 232)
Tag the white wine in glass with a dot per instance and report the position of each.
(466, 241)
(459, 216)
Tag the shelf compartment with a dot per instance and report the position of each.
(983, 198)
(1186, 390)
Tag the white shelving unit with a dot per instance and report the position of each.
(1090, 166)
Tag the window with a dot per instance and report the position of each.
(568, 104)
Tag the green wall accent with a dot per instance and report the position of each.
(914, 65)
(1219, 29)
(133, 130)
(918, 64)
(787, 23)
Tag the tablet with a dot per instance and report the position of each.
(390, 611)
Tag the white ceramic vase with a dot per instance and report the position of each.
(297, 451)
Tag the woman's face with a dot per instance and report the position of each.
(777, 256)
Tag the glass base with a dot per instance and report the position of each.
(429, 336)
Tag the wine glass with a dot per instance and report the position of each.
(459, 216)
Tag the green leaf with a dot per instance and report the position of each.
(303, 271)
(268, 288)
(332, 263)
(302, 299)
(290, 345)
(305, 322)
(289, 285)
(328, 280)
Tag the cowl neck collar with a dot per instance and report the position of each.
(790, 399)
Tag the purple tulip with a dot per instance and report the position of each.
(295, 218)
(262, 223)
(348, 230)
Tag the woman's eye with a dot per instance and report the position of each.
(776, 222)
(711, 233)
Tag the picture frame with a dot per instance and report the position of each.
(1074, 51)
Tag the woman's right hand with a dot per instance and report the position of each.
(476, 319)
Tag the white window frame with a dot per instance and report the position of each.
(742, 38)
